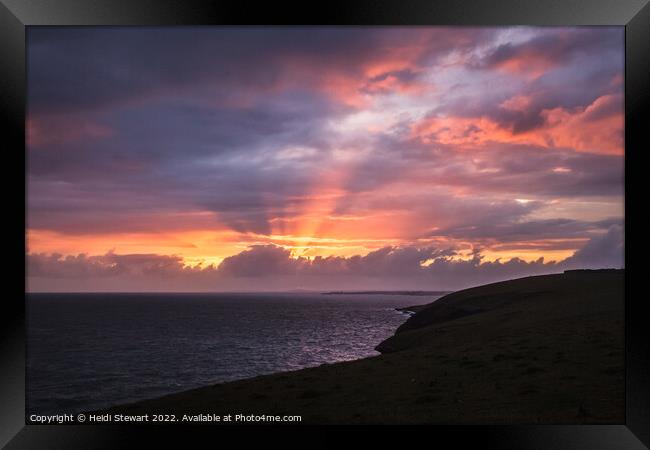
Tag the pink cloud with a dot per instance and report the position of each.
(48, 130)
(596, 128)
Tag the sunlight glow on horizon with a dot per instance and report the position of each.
(498, 143)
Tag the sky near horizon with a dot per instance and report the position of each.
(242, 158)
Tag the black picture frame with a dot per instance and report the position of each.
(16, 15)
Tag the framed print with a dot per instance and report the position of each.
(374, 214)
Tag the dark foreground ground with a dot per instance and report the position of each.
(546, 349)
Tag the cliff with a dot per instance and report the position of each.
(547, 349)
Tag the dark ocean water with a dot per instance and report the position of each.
(88, 351)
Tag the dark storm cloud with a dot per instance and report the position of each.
(159, 135)
(79, 68)
(84, 69)
(191, 158)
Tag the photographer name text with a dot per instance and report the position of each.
(151, 418)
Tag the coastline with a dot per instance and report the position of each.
(546, 349)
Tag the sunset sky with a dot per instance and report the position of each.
(194, 159)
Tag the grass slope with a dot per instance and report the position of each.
(546, 349)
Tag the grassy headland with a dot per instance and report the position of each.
(545, 349)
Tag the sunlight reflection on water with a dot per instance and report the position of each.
(88, 351)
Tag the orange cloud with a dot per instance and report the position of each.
(530, 65)
(462, 131)
(199, 246)
(597, 128)
(594, 129)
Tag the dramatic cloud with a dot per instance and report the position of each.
(257, 150)
(264, 266)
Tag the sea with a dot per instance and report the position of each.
(92, 351)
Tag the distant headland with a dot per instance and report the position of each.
(414, 293)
